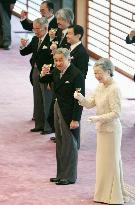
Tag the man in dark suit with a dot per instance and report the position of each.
(41, 54)
(129, 40)
(65, 18)
(6, 7)
(67, 114)
(79, 56)
(46, 10)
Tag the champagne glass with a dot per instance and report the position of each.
(48, 66)
(45, 66)
(78, 90)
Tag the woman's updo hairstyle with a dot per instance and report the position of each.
(106, 65)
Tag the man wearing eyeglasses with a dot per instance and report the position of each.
(46, 10)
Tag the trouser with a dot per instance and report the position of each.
(66, 148)
(47, 99)
(6, 26)
(38, 100)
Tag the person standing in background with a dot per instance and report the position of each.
(1, 36)
(46, 10)
(6, 8)
(41, 54)
(130, 38)
(65, 18)
(79, 56)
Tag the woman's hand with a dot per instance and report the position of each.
(78, 96)
(93, 119)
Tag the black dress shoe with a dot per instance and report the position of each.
(64, 182)
(52, 138)
(54, 179)
(36, 129)
(46, 132)
(54, 141)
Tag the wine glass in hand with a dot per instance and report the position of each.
(23, 42)
(78, 90)
(45, 69)
(52, 33)
(24, 14)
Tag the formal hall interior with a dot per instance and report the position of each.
(28, 160)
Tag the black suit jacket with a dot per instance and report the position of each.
(80, 58)
(28, 25)
(39, 56)
(64, 89)
(128, 41)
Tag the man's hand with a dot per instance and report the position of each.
(74, 124)
(93, 119)
(23, 14)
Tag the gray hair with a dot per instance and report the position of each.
(63, 51)
(65, 14)
(42, 21)
(106, 65)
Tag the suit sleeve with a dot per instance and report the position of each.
(27, 25)
(82, 63)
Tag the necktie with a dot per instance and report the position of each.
(62, 36)
(39, 43)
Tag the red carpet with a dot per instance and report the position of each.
(27, 160)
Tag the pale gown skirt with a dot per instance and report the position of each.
(109, 176)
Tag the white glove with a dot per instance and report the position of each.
(93, 119)
(78, 96)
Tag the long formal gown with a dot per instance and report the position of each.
(109, 187)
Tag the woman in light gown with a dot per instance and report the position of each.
(109, 187)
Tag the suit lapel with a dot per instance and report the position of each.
(45, 42)
(75, 50)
